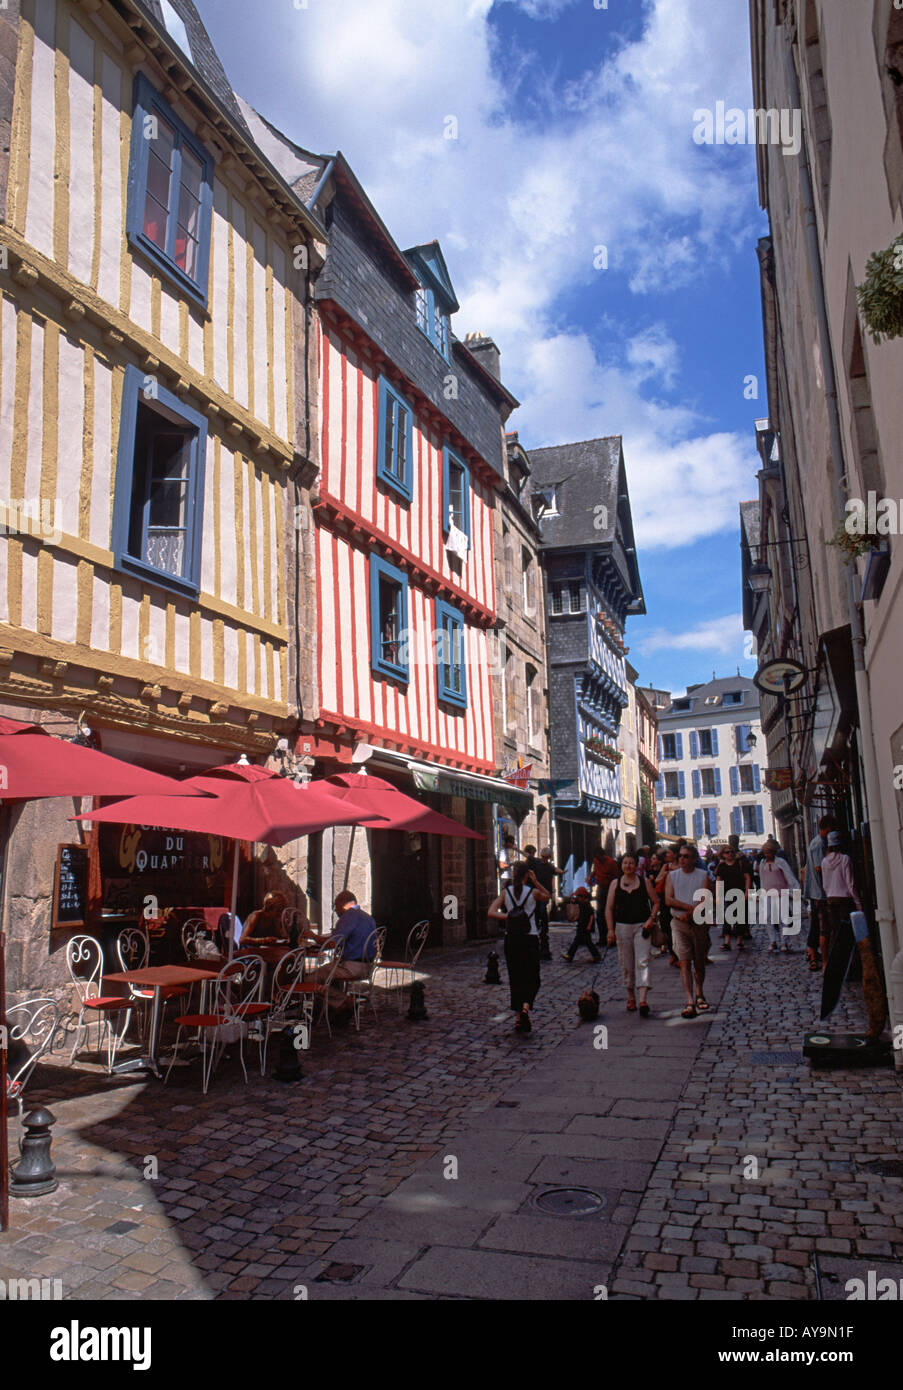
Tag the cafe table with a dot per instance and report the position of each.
(158, 978)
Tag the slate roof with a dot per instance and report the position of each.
(751, 521)
(700, 693)
(203, 55)
(586, 476)
(583, 475)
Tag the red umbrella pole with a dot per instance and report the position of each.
(237, 844)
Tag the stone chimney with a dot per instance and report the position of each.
(486, 353)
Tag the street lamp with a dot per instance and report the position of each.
(751, 740)
(758, 577)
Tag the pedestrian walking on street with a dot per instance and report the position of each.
(630, 914)
(586, 924)
(732, 874)
(691, 938)
(840, 892)
(775, 875)
(516, 907)
(668, 862)
(605, 870)
(813, 890)
(546, 873)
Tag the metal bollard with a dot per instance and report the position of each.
(34, 1174)
(492, 969)
(417, 1011)
(289, 1067)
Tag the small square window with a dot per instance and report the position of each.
(157, 511)
(170, 197)
(388, 619)
(395, 442)
(450, 655)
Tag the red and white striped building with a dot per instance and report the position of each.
(411, 458)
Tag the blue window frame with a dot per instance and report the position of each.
(451, 674)
(170, 198)
(455, 492)
(395, 449)
(158, 502)
(432, 319)
(388, 619)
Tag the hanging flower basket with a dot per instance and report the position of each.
(852, 544)
(881, 293)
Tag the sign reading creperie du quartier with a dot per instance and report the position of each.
(172, 864)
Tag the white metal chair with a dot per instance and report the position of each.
(362, 988)
(286, 1001)
(236, 1002)
(309, 991)
(84, 957)
(30, 1032)
(398, 969)
(194, 931)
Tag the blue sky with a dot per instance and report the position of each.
(573, 130)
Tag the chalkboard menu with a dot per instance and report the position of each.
(70, 889)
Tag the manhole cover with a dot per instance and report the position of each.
(776, 1059)
(885, 1167)
(119, 1228)
(570, 1201)
(507, 1104)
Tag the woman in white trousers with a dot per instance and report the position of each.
(629, 915)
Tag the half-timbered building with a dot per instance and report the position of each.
(155, 427)
(592, 585)
(411, 458)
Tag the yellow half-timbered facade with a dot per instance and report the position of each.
(155, 428)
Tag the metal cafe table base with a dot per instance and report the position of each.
(158, 978)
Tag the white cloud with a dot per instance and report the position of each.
(723, 635)
(521, 206)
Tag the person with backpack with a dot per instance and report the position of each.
(516, 907)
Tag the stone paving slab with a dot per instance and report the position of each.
(486, 1274)
(260, 1190)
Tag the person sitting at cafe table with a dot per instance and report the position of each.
(355, 927)
(266, 921)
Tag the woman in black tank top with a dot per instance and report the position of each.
(629, 914)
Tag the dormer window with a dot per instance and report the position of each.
(434, 297)
(432, 318)
(547, 502)
(175, 28)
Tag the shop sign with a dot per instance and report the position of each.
(176, 866)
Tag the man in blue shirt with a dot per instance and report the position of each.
(355, 928)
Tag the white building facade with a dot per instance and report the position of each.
(711, 766)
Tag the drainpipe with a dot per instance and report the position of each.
(884, 912)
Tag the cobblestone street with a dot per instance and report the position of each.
(408, 1162)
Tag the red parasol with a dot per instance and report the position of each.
(33, 765)
(242, 803)
(393, 809)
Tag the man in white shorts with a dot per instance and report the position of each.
(690, 938)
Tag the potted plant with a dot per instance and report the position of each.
(881, 293)
(852, 544)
